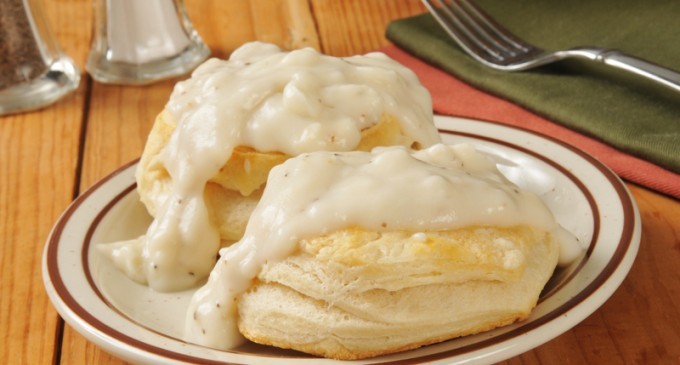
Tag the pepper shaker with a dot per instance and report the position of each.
(142, 41)
(34, 71)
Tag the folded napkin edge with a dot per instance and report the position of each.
(475, 103)
(415, 35)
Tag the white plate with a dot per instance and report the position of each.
(142, 326)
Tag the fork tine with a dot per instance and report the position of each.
(496, 30)
(478, 34)
(483, 28)
(475, 33)
(492, 45)
(459, 31)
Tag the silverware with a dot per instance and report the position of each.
(494, 46)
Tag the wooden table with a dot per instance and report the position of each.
(48, 157)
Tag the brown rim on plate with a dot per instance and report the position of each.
(618, 255)
(579, 184)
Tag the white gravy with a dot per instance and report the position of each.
(442, 187)
(292, 102)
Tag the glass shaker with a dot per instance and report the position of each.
(142, 41)
(34, 71)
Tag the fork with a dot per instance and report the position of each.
(485, 40)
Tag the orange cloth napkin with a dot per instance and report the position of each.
(450, 96)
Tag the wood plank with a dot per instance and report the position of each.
(223, 25)
(38, 156)
(639, 324)
(286, 23)
(355, 26)
(643, 316)
(226, 25)
(38, 160)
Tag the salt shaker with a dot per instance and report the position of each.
(34, 71)
(142, 41)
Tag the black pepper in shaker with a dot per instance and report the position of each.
(34, 72)
(20, 57)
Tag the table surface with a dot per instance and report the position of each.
(49, 157)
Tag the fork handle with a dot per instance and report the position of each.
(652, 71)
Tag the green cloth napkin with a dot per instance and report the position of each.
(626, 111)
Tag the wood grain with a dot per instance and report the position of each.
(639, 324)
(44, 162)
(355, 27)
(38, 165)
(38, 159)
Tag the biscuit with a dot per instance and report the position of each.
(234, 191)
(355, 293)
